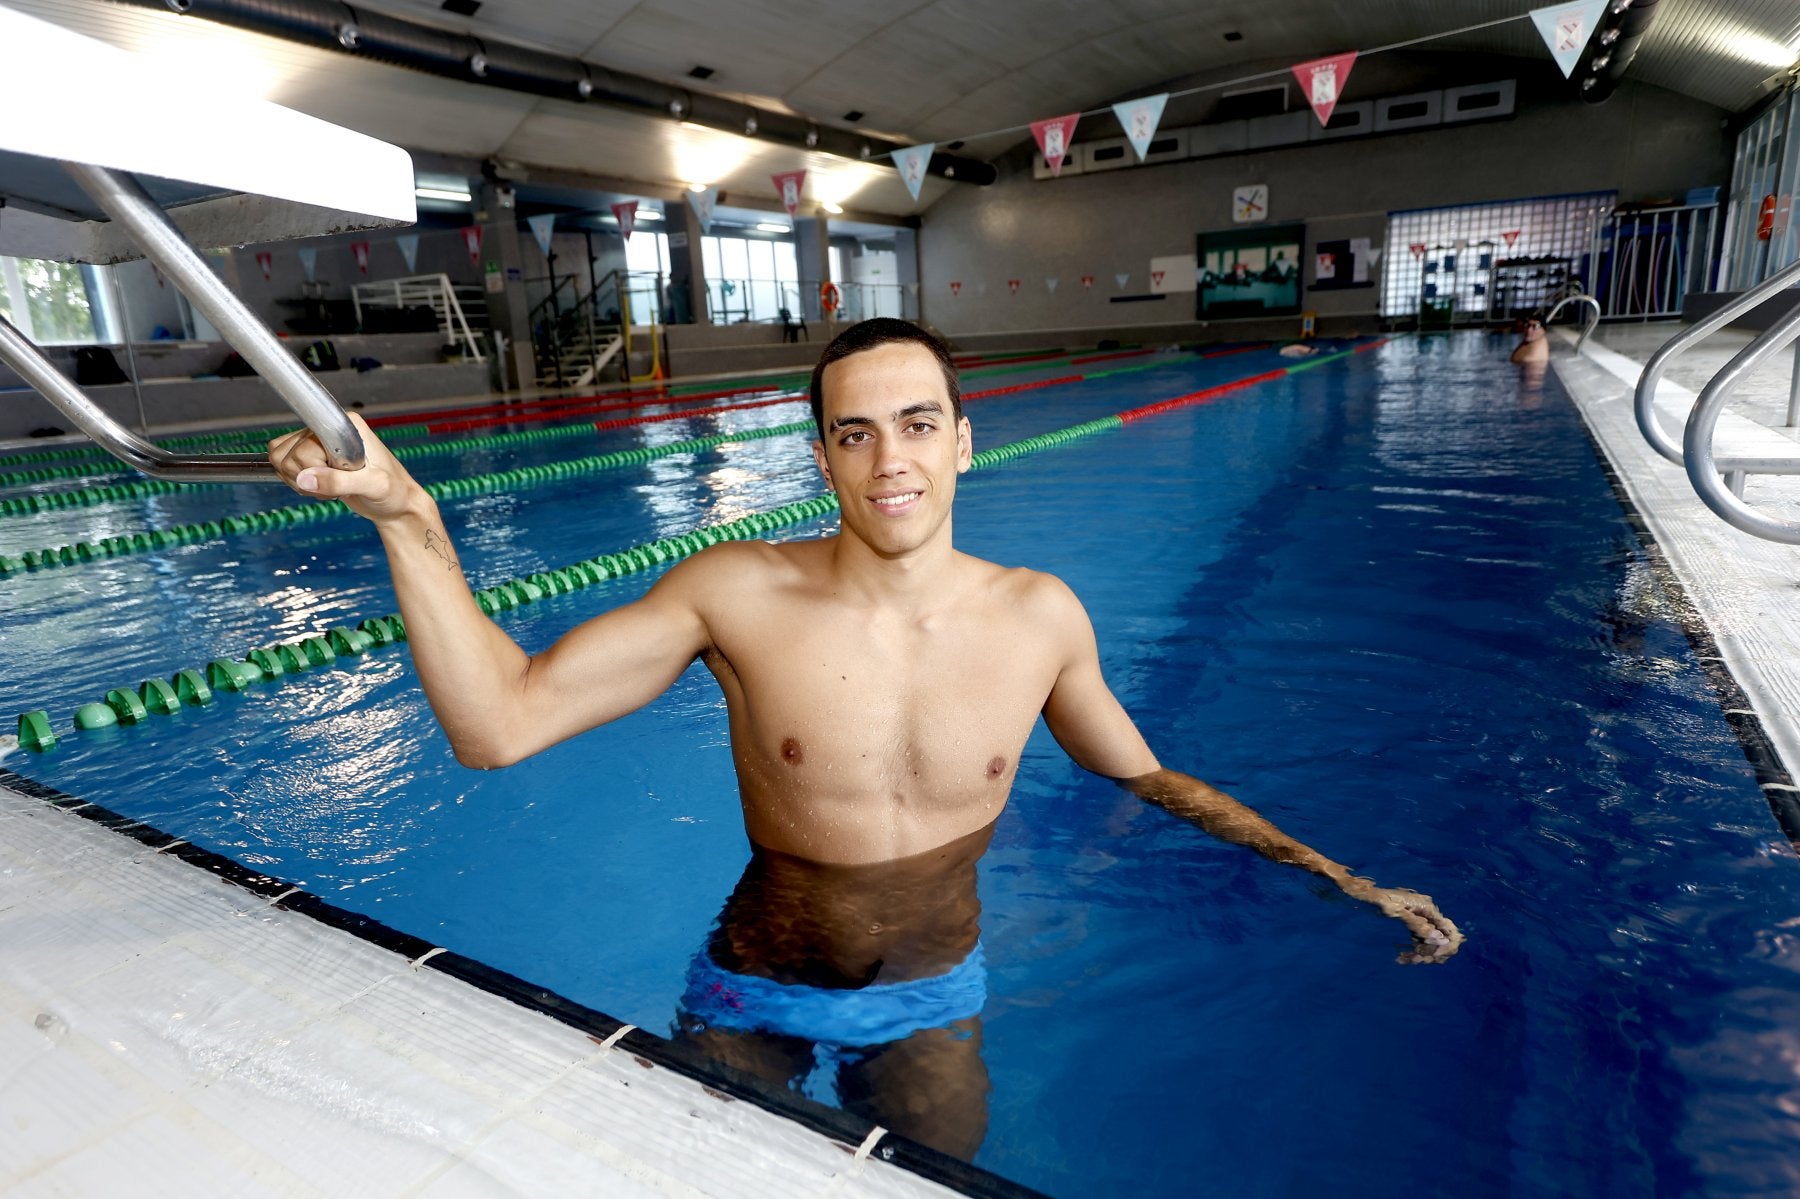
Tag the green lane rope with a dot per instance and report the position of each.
(317, 510)
(256, 438)
(191, 687)
(83, 497)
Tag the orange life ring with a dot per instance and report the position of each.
(829, 297)
(1765, 219)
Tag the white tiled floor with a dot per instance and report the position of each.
(1746, 589)
(165, 1033)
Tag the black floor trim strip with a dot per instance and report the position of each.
(649, 1048)
(1772, 776)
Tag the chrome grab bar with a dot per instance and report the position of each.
(125, 201)
(1651, 428)
(1697, 442)
(1594, 323)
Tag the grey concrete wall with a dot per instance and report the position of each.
(1644, 142)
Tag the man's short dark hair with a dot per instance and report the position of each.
(883, 331)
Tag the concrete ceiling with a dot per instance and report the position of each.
(918, 70)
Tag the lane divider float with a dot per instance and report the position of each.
(192, 687)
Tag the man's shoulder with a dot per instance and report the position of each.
(1032, 593)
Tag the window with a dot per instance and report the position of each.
(750, 279)
(48, 301)
(647, 253)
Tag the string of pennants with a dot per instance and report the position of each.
(1564, 27)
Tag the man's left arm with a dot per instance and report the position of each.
(1088, 721)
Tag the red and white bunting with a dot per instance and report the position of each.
(472, 242)
(787, 186)
(1012, 285)
(266, 261)
(409, 250)
(626, 213)
(1156, 278)
(1087, 280)
(359, 250)
(309, 260)
(1509, 237)
(956, 287)
(1417, 248)
(1054, 137)
(1050, 281)
(1322, 82)
(1122, 279)
(703, 203)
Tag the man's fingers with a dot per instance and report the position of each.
(328, 483)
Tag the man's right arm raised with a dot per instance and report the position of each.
(497, 703)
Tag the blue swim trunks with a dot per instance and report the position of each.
(873, 1015)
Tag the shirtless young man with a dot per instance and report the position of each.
(1534, 347)
(880, 687)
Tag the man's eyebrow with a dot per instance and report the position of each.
(844, 422)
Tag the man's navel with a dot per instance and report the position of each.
(791, 752)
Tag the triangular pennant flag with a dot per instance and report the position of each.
(625, 212)
(787, 186)
(956, 287)
(472, 242)
(309, 258)
(912, 289)
(1054, 137)
(1050, 281)
(1139, 118)
(1322, 80)
(409, 249)
(1121, 280)
(359, 250)
(1087, 280)
(1012, 285)
(541, 227)
(1509, 237)
(1417, 248)
(266, 261)
(1156, 278)
(913, 162)
(1566, 28)
(703, 203)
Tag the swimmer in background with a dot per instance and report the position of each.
(1535, 348)
(879, 687)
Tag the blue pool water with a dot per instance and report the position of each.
(1391, 602)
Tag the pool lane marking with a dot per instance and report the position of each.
(84, 497)
(514, 593)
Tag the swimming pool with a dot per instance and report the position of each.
(1391, 602)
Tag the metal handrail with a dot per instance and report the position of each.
(125, 202)
(1652, 428)
(1577, 298)
(1697, 442)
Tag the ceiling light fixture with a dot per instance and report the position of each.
(442, 193)
(833, 209)
(772, 227)
(648, 214)
(696, 187)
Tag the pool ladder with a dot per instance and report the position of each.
(1695, 453)
(123, 200)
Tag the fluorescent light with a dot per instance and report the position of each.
(649, 214)
(1761, 50)
(696, 187)
(833, 209)
(772, 227)
(440, 193)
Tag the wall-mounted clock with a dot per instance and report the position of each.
(1250, 203)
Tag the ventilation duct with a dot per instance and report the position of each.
(1610, 51)
(330, 25)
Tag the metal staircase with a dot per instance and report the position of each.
(449, 303)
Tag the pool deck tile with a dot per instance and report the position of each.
(165, 1033)
(1747, 590)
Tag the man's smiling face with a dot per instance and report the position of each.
(891, 448)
